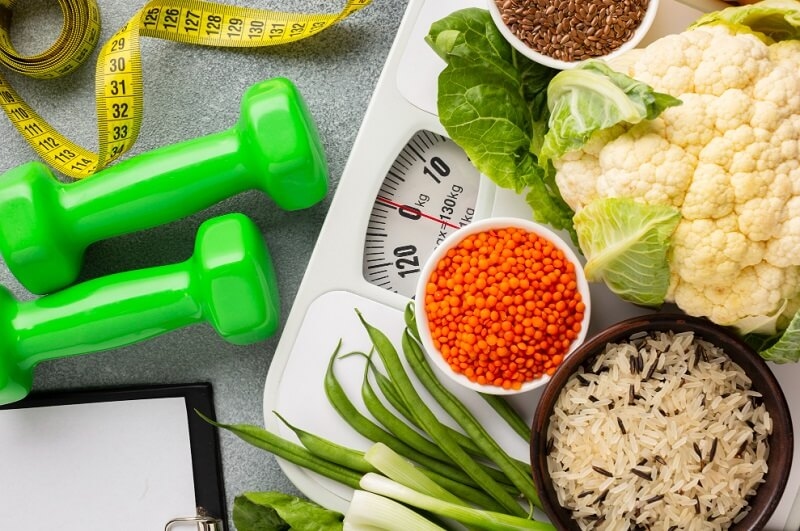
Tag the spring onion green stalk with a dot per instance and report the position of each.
(493, 521)
(516, 471)
(395, 467)
(431, 425)
(369, 512)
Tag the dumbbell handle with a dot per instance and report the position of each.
(156, 187)
(105, 313)
(273, 147)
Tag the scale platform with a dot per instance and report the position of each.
(405, 187)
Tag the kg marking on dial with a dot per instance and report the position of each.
(429, 191)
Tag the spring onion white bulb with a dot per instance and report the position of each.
(370, 512)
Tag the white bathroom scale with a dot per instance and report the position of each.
(405, 187)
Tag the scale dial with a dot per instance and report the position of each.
(429, 191)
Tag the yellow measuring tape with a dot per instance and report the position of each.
(118, 84)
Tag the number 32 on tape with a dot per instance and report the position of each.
(118, 79)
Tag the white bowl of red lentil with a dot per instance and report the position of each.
(562, 34)
(500, 304)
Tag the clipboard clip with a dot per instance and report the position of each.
(203, 523)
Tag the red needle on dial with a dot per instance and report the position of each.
(391, 203)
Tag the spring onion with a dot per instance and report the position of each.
(493, 521)
(371, 512)
(392, 465)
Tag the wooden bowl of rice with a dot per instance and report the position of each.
(662, 422)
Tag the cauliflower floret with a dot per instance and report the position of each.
(782, 250)
(709, 195)
(707, 251)
(691, 125)
(762, 288)
(727, 158)
(643, 164)
(711, 61)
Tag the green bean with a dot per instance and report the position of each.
(327, 449)
(396, 426)
(354, 460)
(467, 493)
(517, 472)
(407, 434)
(431, 425)
(423, 365)
(366, 427)
(390, 393)
(290, 451)
(411, 320)
(509, 414)
(500, 405)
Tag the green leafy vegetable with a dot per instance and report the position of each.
(626, 245)
(770, 20)
(594, 97)
(779, 348)
(275, 511)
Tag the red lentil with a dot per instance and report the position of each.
(503, 307)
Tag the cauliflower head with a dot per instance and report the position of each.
(727, 159)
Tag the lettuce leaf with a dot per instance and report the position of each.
(626, 244)
(770, 20)
(492, 101)
(592, 97)
(275, 511)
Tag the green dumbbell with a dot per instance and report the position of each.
(46, 225)
(228, 282)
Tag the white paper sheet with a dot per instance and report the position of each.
(122, 465)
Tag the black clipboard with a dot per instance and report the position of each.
(203, 440)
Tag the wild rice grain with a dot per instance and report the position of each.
(657, 497)
(602, 471)
(654, 460)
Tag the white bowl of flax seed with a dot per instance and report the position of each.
(562, 34)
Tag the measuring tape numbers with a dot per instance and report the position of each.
(118, 78)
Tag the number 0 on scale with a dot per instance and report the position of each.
(429, 192)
